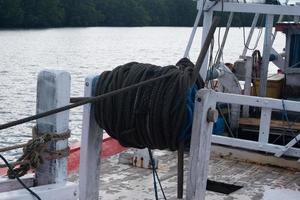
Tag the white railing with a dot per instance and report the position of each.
(202, 137)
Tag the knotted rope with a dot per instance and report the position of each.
(34, 152)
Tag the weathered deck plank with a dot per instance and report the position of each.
(124, 182)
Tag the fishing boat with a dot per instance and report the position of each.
(245, 130)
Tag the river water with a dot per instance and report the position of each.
(84, 51)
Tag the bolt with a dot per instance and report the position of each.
(212, 115)
(87, 84)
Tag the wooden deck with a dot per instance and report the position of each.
(125, 182)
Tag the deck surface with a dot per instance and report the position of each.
(125, 182)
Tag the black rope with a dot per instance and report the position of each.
(19, 180)
(154, 172)
(152, 116)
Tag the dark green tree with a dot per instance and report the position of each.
(82, 13)
(43, 13)
(11, 13)
(123, 13)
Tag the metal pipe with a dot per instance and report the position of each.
(266, 56)
(180, 169)
(253, 25)
(220, 53)
(192, 36)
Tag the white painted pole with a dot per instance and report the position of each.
(253, 25)
(192, 36)
(264, 128)
(225, 37)
(53, 91)
(248, 80)
(207, 21)
(266, 56)
(200, 145)
(91, 142)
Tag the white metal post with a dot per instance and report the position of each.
(264, 128)
(53, 91)
(91, 142)
(207, 21)
(192, 36)
(220, 53)
(248, 80)
(200, 145)
(253, 25)
(266, 56)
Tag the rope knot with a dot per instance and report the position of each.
(33, 153)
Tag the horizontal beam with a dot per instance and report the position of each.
(257, 101)
(68, 191)
(253, 145)
(254, 8)
(273, 124)
(12, 184)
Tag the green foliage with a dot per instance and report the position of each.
(11, 13)
(57, 13)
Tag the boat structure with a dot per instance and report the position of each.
(245, 128)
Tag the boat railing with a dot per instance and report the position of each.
(202, 137)
(49, 181)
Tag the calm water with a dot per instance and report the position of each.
(84, 51)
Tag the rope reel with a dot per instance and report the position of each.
(154, 116)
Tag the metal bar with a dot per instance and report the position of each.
(253, 25)
(207, 22)
(180, 170)
(288, 146)
(220, 53)
(247, 86)
(253, 145)
(266, 56)
(253, 8)
(192, 36)
(257, 101)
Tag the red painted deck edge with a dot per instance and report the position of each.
(110, 147)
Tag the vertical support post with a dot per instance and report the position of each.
(253, 25)
(53, 91)
(266, 56)
(180, 170)
(264, 127)
(200, 145)
(207, 21)
(91, 142)
(247, 86)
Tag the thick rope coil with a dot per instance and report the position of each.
(34, 151)
(154, 116)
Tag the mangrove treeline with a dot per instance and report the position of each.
(77, 13)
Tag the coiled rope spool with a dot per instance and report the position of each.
(155, 116)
